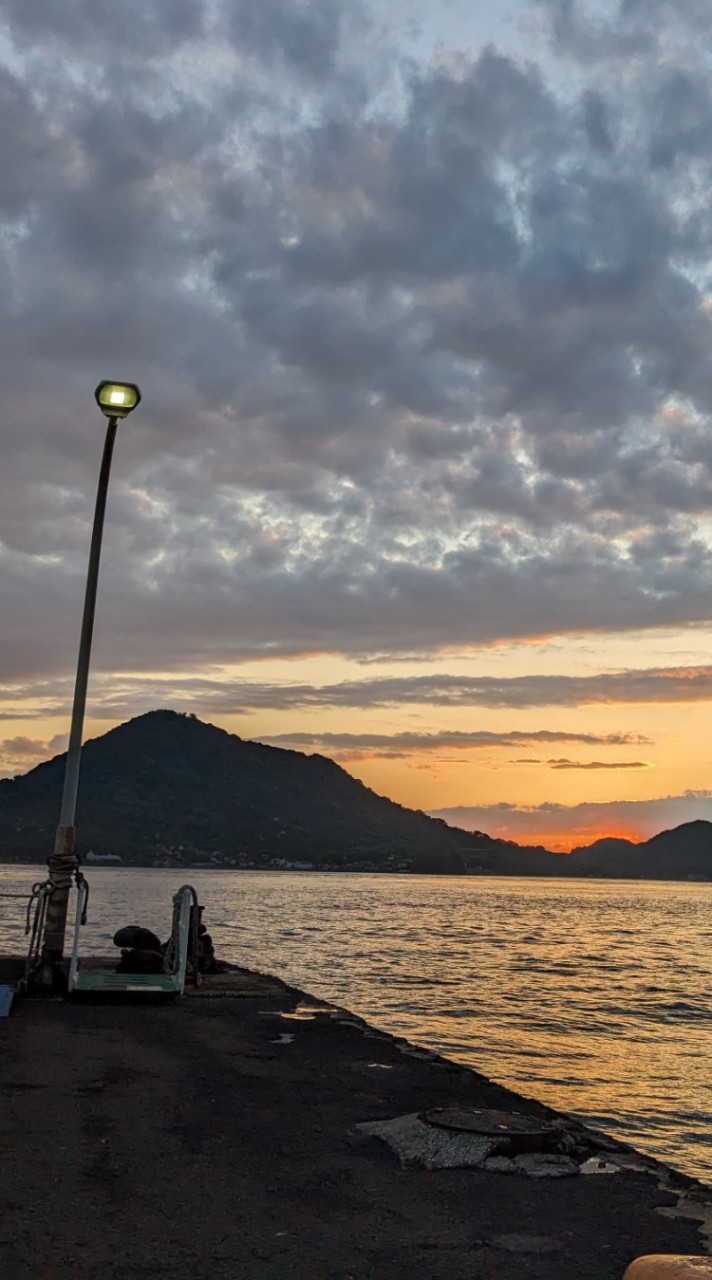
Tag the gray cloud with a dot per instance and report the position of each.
(116, 696)
(586, 764)
(626, 29)
(305, 40)
(357, 746)
(598, 764)
(21, 753)
(563, 825)
(139, 30)
(424, 346)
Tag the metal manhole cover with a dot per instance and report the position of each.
(490, 1124)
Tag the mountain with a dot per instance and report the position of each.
(683, 853)
(167, 788)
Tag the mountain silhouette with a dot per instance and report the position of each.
(165, 788)
(682, 853)
(168, 786)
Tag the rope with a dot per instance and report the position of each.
(80, 880)
(62, 867)
(41, 892)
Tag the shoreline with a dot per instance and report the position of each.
(570, 877)
(219, 1137)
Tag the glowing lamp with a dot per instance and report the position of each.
(117, 399)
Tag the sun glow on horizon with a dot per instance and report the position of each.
(563, 843)
(555, 774)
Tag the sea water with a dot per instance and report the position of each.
(593, 996)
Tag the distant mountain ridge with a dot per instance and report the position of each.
(167, 789)
(683, 852)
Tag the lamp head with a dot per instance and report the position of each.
(117, 399)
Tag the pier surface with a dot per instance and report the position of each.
(216, 1139)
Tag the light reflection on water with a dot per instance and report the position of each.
(593, 996)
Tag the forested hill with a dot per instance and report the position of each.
(165, 787)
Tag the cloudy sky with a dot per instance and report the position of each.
(419, 299)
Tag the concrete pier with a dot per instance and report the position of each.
(218, 1138)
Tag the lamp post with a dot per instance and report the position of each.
(116, 400)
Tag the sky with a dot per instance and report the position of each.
(420, 303)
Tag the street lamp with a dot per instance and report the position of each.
(116, 400)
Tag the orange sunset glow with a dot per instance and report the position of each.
(555, 775)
